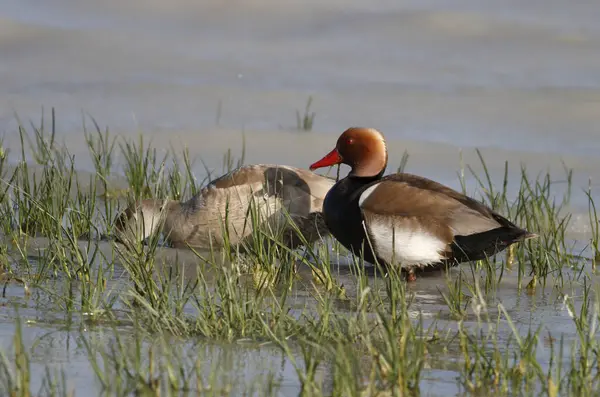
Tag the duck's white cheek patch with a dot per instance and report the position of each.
(405, 247)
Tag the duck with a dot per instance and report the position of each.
(220, 214)
(403, 219)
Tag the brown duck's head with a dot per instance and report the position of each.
(140, 220)
(363, 149)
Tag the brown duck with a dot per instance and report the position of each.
(222, 210)
(409, 220)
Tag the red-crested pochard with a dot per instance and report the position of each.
(409, 220)
(220, 211)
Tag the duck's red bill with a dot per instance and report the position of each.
(332, 158)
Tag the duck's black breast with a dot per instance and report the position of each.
(343, 215)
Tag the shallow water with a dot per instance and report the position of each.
(57, 342)
(519, 80)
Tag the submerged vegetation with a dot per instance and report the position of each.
(156, 321)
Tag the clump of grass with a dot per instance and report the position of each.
(17, 382)
(140, 363)
(142, 168)
(179, 182)
(305, 121)
(15, 373)
(595, 228)
(101, 148)
(455, 298)
(536, 208)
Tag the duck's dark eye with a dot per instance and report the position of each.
(349, 141)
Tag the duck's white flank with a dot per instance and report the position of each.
(405, 247)
(400, 245)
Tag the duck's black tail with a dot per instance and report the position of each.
(482, 245)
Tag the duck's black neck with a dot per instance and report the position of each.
(366, 179)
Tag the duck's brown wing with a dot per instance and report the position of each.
(245, 175)
(419, 220)
(433, 206)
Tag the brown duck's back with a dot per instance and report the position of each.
(222, 208)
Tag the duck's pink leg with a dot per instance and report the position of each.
(411, 276)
